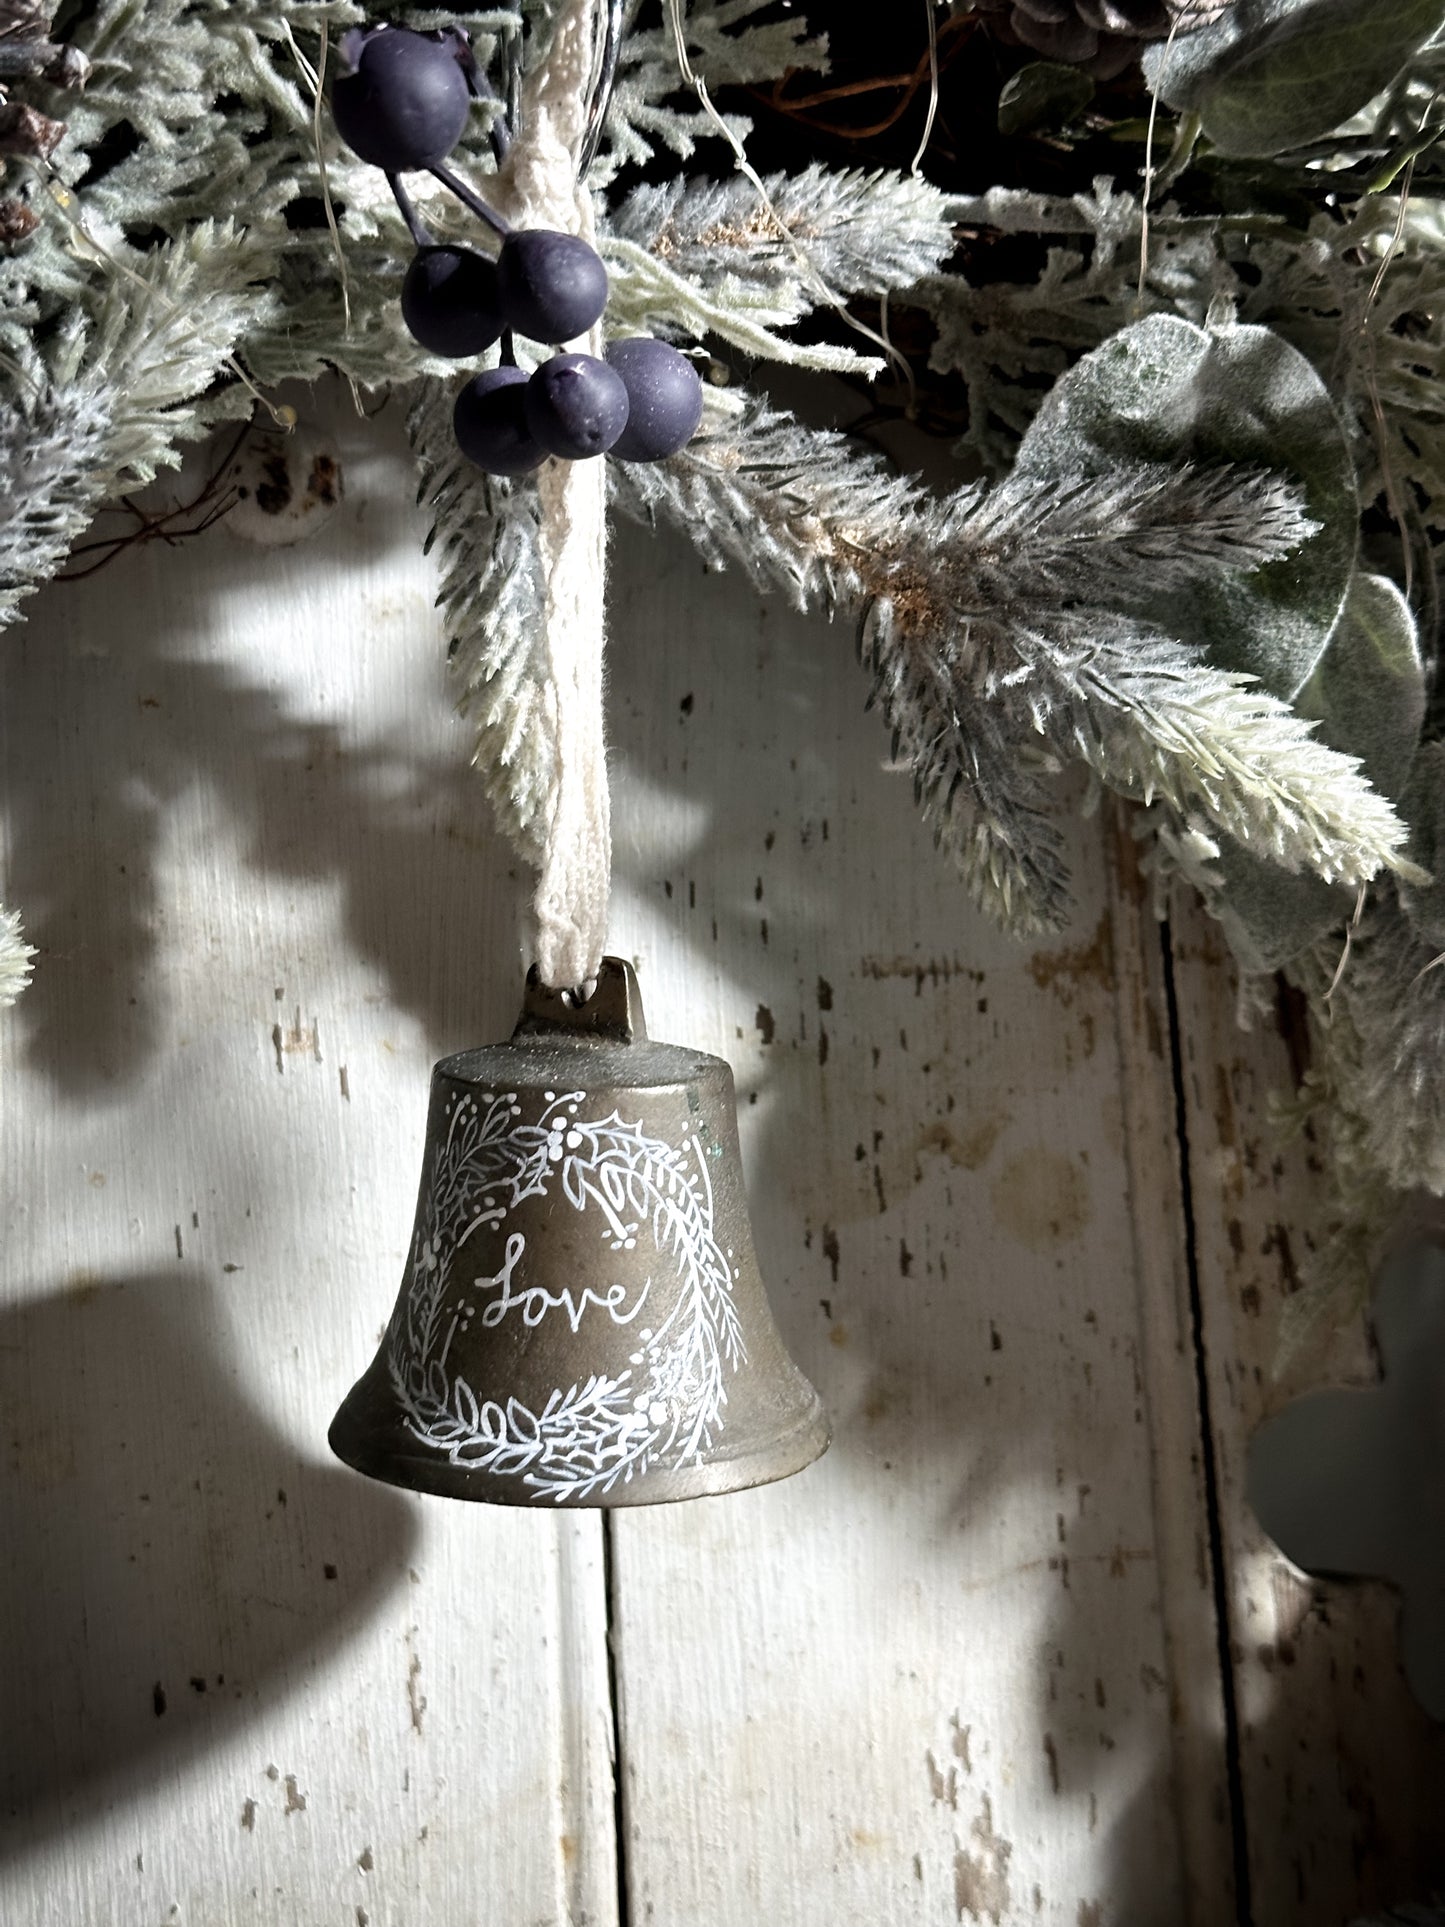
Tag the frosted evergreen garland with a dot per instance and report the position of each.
(1160, 576)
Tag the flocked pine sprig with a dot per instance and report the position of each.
(995, 615)
(486, 532)
(651, 112)
(707, 257)
(1382, 1051)
(864, 232)
(121, 392)
(15, 956)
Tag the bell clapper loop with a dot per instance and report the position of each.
(611, 1009)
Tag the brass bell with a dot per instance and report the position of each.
(581, 1321)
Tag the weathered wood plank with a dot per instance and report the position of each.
(1342, 1776)
(242, 1684)
(933, 1678)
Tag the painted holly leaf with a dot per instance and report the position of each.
(1368, 695)
(1164, 390)
(1353, 1482)
(1283, 73)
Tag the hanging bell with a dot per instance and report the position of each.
(582, 1321)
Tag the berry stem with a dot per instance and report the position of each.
(500, 132)
(420, 232)
(469, 199)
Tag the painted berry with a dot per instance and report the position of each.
(576, 406)
(490, 423)
(553, 286)
(664, 398)
(406, 98)
(449, 301)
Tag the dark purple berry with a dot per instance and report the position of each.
(664, 398)
(449, 301)
(553, 285)
(490, 423)
(576, 406)
(406, 100)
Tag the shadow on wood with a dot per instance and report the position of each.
(172, 1561)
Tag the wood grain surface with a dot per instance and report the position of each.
(1013, 1651)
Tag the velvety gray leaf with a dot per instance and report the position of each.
(1368, 695)
(1179, 73)
(1268, 915)
(1269, 78)
(1046, 93)
(1423, 808)
(1164, 390)
(1369, 689)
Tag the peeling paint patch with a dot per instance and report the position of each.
(248, 1816)
(830, 1249)
(295, 1799)
(302, 1038)
(942, 1786)
(980, 1879)
(415, 1698)
(934, 971)
(961, 1736)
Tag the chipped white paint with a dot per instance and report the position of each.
(965, 1669)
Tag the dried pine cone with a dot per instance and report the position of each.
(1102, 36)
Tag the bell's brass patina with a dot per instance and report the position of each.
(582, 1321)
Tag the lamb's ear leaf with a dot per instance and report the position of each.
(1368, 694)
(1164, 390)
(1284, 73)
(1368, 691)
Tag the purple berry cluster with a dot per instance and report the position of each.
(401, 102)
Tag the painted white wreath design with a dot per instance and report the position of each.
(666, 1405)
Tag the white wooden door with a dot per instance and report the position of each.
(1013, 1651)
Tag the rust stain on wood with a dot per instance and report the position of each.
(299, 1037)
(967, 1149)
(1066, 972)
(1041, 1199)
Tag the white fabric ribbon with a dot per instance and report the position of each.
(539, 188)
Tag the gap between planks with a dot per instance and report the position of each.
(1204, 1768)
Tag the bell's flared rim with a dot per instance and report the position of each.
(391, 1456)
